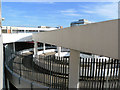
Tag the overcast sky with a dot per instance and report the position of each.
(56, 13)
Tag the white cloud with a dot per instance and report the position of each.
(70, 12)
(106, 10)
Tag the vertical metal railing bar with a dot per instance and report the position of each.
(85, 71)
(41, 74)
(45, 76)
(117, 78)
(98, 74)
(50, 71)
(101, 78)
(31, 72)
(93, 73)
(61, 69)
(113, 81)
(104, 74)
(108, 72)
(82, 70)
(20, 66)
(66, 74)
(111, 73)
(116, 74)
(58, 82)
(63, 59)
(62, 79)
(87, 64)
(59, 72)
(88, 72)
(47, 69)
(56, 75)
(79, 73)
(44, 70)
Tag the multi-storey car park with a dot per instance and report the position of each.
(85, 56)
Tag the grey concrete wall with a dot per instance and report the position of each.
(1, 53)
(1, 63)
(98, 38)
(22, 83)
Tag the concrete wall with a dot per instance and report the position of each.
(1, 63)
(21, 83)
(98, 38)
(1, 54)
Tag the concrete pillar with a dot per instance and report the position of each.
(1, 54)
(59, 51)
(14, 47)
(43, 47)
(1, 62)
(35, 49)
(24, 31)
(74, 69)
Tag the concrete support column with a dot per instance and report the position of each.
(74, 69)
(35, 49)
(14, 47)
(1, 55)
(59, 51)
(1, 63)
(43, 47)
(24, 31)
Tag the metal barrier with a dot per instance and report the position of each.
(52, 71)
(25, 66)
(99, 73)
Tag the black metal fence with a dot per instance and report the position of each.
(99, 73)
(49, 71)
(53, 72)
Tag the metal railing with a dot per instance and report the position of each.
(99, 73)
(44, 72)
(53, 72)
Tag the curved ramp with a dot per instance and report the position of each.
(101, 38)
